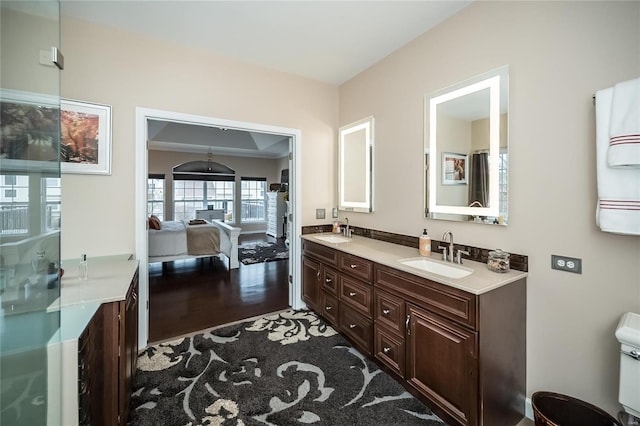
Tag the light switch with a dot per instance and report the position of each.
(320, 213)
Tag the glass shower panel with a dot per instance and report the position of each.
(30, 352)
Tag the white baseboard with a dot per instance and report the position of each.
(528, 409)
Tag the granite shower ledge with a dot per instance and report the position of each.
(482, 280)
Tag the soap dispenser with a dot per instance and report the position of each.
(425, 244)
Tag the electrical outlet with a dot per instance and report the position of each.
(567, 264)
(320, 213)
(334, 213)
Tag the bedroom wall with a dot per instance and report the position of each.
(163, 162)
(559, 54)
(126, 70)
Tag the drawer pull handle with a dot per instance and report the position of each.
(327, 280)
(406, 324)
(385, 312)
(353, 266)
(327, 308)
(318, 274)
(352, 326)
(352, 293)
(386, 349)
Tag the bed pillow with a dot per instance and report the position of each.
(154, 222)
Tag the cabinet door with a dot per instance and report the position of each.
(330, 308)
(311, 283)
(90, 370)
(357, 327)
(356, 294)
(389, 348)
(329, 280)
(128, 347)
(442, 363)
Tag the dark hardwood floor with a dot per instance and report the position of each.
(196, 294)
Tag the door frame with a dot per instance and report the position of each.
(141, 175)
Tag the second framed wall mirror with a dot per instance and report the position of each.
(355, 166)
(466, 150)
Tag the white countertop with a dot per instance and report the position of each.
(73, 321)
(482, 279)
(109, 280)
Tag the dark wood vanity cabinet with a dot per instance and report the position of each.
(449, 379)
(318, 262)
(338, 287)
(463, 354)
(91, 372)
(107, 361)
(128, 345)
(311, 282)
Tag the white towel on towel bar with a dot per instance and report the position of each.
(624, 129)
(618, 208)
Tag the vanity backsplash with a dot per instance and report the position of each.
(518, 262)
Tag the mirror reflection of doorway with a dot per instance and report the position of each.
(191, 294)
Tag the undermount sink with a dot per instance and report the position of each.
(333, 239)
(435, 267)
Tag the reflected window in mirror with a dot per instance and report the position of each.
(355, 166)
(469, 122)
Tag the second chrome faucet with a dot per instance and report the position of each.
(448, 251)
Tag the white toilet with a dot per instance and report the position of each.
(628, 334)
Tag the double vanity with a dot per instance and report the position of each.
(453, 334)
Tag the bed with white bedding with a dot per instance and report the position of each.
(172, 242)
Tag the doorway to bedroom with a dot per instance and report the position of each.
(187, 293)
(190, 295)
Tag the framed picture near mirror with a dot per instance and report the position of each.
(455, 168)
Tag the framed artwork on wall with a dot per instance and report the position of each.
(85, 137)
(455, 168)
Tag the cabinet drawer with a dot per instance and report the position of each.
(330, 281)
(356, 266)
(320, 252)
(389, 311)
(356, 294)
(390, 349)
(449, 302)
(357, 327)
(329, 307)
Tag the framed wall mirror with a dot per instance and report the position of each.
(466, 150)
(355, 166)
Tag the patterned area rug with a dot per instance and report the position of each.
(249, 253)
(285, 369)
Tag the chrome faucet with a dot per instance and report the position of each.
(447, 252)
(347, 230)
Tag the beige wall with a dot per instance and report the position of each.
(480, 133)
(559, 54)
(164, 161)
(457, 133)
(125, 70)
(22, 36)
